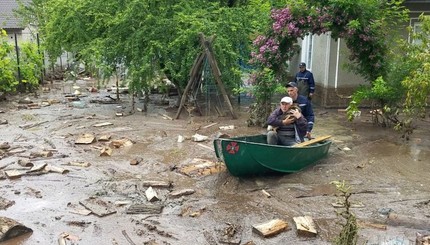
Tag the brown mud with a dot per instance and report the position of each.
(385, 171)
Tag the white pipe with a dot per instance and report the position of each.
(327, 59)
(337, 63)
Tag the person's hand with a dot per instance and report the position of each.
(308, 135)
(297, 114)
(289, 120)
(310, 96)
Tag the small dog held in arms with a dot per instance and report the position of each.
(287, 114)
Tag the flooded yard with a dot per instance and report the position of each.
(97, 192)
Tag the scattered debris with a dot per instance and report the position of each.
(66, 236)
(199, 137)
(106, 151)
(144, 209)
(136, 161)
(105, 138)
(79, 164)
(31, 125)
(181, 139)
(25, 162)
(305, 226)
(267, 194)
(423, 238)
(183, 192)
(229, 127)
(85, 139)
(102, 124)
(120, 143)
(41, 154)
(10, 228)
(3, 121)
(270, 228)
(199, 167)
(4, 203)
(156, 183)
(205, 146)
(128, 238)
(151, 194)
(98, 206)
(210, 125)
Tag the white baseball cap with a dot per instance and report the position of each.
(287, 99)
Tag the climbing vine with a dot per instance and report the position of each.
(363, 24)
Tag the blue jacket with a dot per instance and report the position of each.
(308, 77)
(307, 111)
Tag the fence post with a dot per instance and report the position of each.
(17, 58)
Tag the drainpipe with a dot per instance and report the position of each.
(17, 59)
(337, 65)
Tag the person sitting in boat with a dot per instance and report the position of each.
(289, 126)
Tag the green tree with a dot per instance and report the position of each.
(152, 38)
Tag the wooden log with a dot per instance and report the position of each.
(194, 71)
(270, 228)
(10, 228)
(312, 141)
(182, 192)
(144, 209)
(305, 226)
(156, 183)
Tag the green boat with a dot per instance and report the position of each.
(251, 155)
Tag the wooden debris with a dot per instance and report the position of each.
(305, 226)
(202, 167)
(85, 139)
(102, 124)
(10, 228)
(423, 238)
(31, 125)
(3, 121)
(210, 125)
(4, 145)
(183, 192)
(106, 151)
(80, 164)
(407, 221)
(166, 117)
(267, 194)
(41, 154)
(5, 203)
(372, 225)
(151, 194)
(156, 183)
(55, 169)
(105, 138)
(144, 209)
(136, 161)
(11, 174)
(120, 143)
(124, 233)
(270, 228)
(98, 206)
(25, 162)
(38, 167)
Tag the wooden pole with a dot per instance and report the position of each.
(196, 67)
(215, 70)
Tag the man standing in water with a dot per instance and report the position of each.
(304, 104)
(305, 81)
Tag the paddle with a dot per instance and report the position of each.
(312, 141)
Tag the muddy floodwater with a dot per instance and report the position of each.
(387, 175)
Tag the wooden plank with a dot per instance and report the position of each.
(98, 207)
(305, 226)
(144, 209)
(312, 141)
(270, 228)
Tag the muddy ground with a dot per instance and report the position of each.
(386, 173)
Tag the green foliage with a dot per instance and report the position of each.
(8, 81)
(31, 64)
(151, 38)
(402, 95)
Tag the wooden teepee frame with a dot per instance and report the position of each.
(207, 53)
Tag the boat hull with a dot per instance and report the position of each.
(251, 155)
